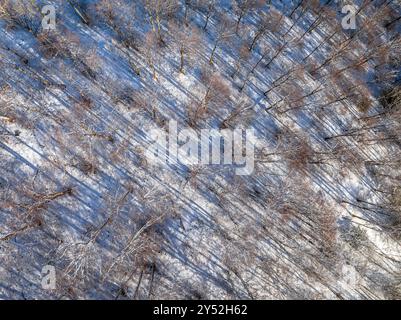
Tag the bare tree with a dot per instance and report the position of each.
(118, 15)
(223, 33)
(150, 48)
(270, 21)
(188, 41)
(243, 57)
(242, 112)
(158, 11)
(243, 7)
(266, 54)
(207, 7)
(216, 94)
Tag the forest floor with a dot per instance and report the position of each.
(318, 218)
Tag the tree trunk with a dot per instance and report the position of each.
(182, 59)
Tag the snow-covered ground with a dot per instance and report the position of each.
(319, 217)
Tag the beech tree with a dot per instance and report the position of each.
(322, 15)
(270, 21)
(158, 12)
(242, 112)
(266, 54)
(118, 15)
(216, 94)
(188, 41)
(150, 48)
(243, 7)
(223, 33)
(208, 8)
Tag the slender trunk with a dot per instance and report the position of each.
(340, 135)
(295, 8)
(151, 280)
(151, 20)
(159, 28)
(276, 55)
(207, 19)
(138, 285)
(320, 44)
(294, 23)
(181, 59)
(391, 22)
(79, 13)
(278, 81)
(256, 38)
(313, 26)
(252, 70)
(186, 15)
(213, 52)
(239, 21)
